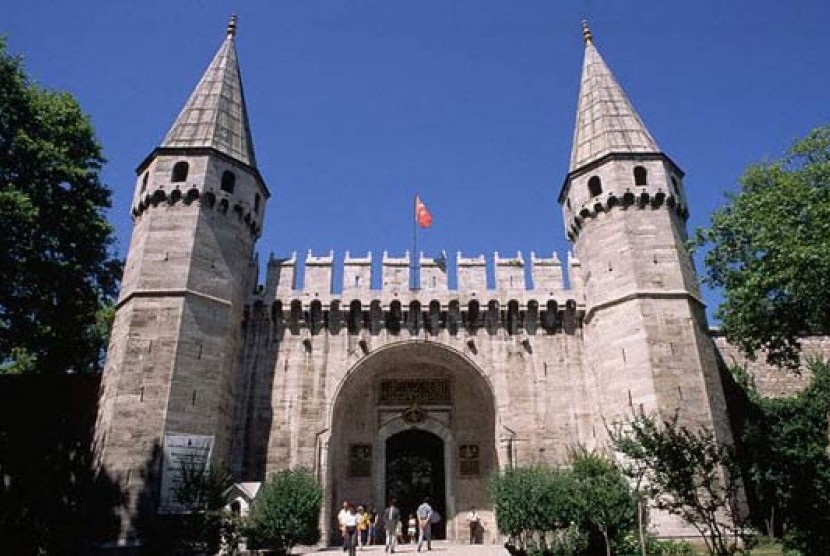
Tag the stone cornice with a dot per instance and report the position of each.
(163, 292)
(653, 294)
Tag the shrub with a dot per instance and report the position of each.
(548, 511)
(286, 511)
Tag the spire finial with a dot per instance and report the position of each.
(587, 36)
(232, 26)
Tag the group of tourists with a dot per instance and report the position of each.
(361, 527)
(357, 525)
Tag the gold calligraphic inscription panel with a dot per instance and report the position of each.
(407, 391)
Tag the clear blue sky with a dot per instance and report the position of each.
(357, 105)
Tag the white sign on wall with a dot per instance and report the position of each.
(183, 453)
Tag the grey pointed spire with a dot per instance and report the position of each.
(215, 115)
(606, 121)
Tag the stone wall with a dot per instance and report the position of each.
(771, 380)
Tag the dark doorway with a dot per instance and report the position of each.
(414, 470)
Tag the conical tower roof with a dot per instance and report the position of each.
(606, 121)
(215, 115)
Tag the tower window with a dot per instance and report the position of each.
(228, 181)
(594, 186)
(640, 176)
(256, 202)
(180, 171)
(144, 181)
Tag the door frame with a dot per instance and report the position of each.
(439, 429)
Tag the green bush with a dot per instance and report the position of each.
(548, 511)
(607, 503)
(286, 511)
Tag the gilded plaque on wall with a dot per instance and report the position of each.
(419, 391)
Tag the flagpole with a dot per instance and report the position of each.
(414, 265)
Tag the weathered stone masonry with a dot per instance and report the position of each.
(357, 383)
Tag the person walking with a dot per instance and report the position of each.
(473, 520)
(362, 526)
(424, 514)
(373, 525)
(341, 523)
(350, 523)
(392, 523)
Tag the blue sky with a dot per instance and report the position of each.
(357, 105)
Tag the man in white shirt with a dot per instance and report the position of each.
(350, 521)
(473, 520)
(341, 523)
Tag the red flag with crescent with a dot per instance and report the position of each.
(422, 215)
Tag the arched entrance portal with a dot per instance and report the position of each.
(415, 470)
(412, 419)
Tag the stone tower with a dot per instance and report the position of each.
(646, 341)
(170, 375)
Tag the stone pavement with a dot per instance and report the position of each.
(439, 548)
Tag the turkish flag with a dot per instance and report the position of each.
(422, 215)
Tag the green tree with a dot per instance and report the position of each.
(57, 269)
(286, 511)
(786, 463)
(608, 503)
(768, 251)
(544, 510)
(686, 473)
(202, 491)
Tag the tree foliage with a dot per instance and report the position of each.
(203, 491)
(608, 504)
(686, 473)
(786, 463)
(545, 510)
(57, 269)
(286, 511)
(769, 252)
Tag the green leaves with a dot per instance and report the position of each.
(286, 510)
(559, 509)
(786, 463)
(687, 473)
(57, 267)
(768, 251)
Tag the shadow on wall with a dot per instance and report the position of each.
(263, 331)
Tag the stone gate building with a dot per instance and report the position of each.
(397, 391)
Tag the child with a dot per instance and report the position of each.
(412, 528)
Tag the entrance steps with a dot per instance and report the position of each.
(439, 548)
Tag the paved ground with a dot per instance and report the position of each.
(439, 548)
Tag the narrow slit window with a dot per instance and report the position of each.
(640, 176)
(595, 186)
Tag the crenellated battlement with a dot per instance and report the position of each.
(440, 281)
